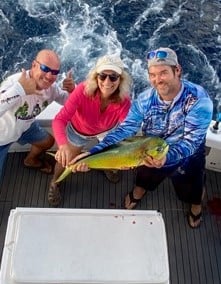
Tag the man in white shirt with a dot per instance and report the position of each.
(22, 97)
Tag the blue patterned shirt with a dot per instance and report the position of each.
(183, 123)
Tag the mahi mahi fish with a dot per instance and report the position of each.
(130, 153)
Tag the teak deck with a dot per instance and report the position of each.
(194, 254)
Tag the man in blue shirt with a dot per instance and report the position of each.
(179, 112)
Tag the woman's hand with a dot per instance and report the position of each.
(65, 154)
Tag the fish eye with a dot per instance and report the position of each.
(159, 148)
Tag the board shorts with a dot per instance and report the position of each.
(35, 133)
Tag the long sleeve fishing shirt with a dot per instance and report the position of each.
(18, 110)
(85, 115)
(183, 123)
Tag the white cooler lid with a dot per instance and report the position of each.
(84, 246)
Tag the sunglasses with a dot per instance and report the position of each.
(46, 69)
(161, 54)
(112, 77)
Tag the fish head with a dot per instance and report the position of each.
(157, 149)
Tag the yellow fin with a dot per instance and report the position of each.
(51, 154)
(65, 173)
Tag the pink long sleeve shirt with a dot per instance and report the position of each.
(84, 114)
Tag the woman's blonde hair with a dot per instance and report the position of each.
(123, 90)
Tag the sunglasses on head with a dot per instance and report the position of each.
(46, 69)
(112, 77)
(161, 54)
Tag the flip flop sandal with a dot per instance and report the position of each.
(132, 200)
(195, 218)
(112, 176)
(54, 195)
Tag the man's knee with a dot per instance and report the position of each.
(47, 143)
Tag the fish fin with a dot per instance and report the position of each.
(114, 150)
(112, 147)
(51, 154)
(132, 139)
(141, 163)
(65, 173)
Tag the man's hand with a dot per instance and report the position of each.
(82, 167)
(28, 84)
(154, 163)
(68, 82)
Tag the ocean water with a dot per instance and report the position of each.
(81, 31)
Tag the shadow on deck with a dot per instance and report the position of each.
(194, 255)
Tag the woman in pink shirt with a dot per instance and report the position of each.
(96, 106)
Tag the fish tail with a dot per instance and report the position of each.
(65, 173)
(51, 154)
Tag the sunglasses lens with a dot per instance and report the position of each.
(151, 55)
(46, 69)
(159, 54)
(102, 77)
(55, 72)
(112, 77)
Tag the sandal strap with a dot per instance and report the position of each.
(132, 198)
(195, 217)
(54, 195)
